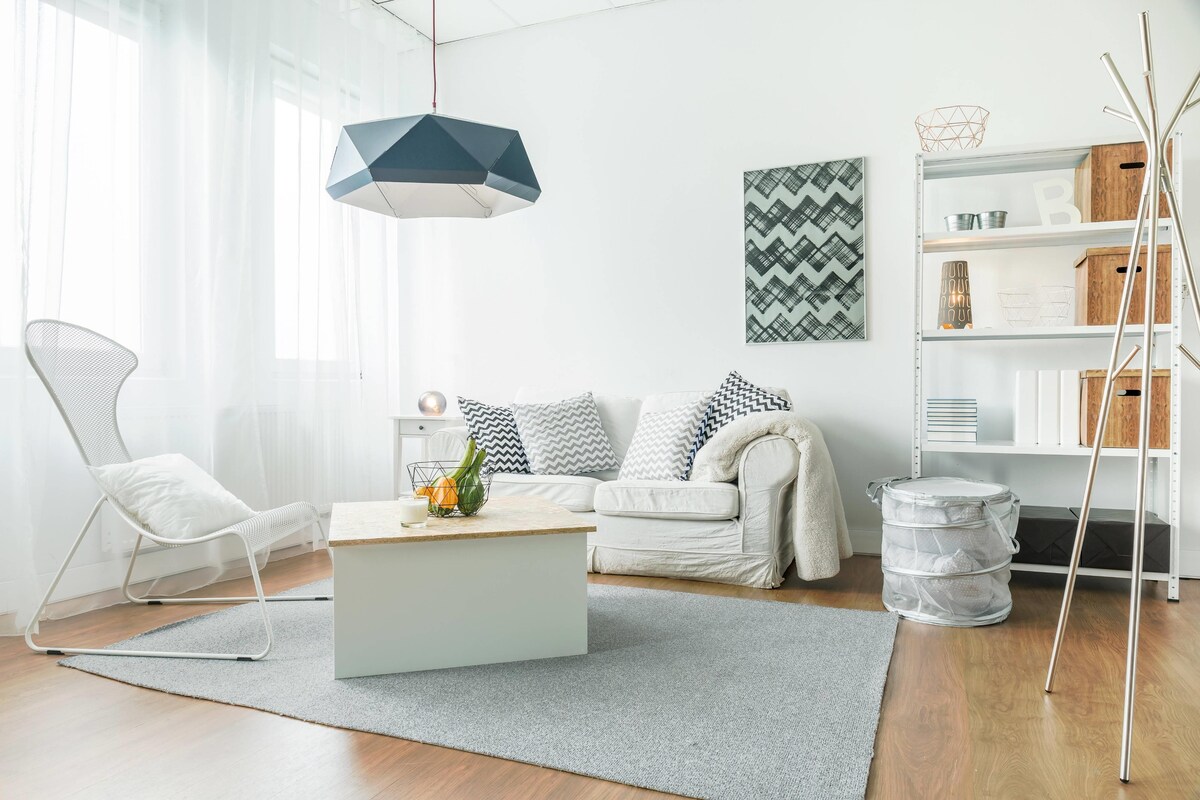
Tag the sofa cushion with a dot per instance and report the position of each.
(661, 402)
(665, 400)
(671, 499)
(735, 397)
(564, 438)
(618, 414)
(494, 428)
(661, 442)
(572, 492)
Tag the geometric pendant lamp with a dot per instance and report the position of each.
(431, 165)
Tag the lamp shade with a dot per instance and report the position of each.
(954, 302)
(431, 165)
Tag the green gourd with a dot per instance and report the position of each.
(471, 492)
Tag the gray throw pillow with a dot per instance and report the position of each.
(564, 438)
(659, 450)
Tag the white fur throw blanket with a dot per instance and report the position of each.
(819, 530)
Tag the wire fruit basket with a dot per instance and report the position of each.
(1020, 306)
(447, 496)
(1056, 304)
(1048, 306)
(951, 128)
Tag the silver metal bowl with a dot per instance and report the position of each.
(960, 222)
(992, 219)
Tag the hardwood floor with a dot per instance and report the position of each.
(963, 716)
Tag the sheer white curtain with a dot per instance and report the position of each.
(168, 159)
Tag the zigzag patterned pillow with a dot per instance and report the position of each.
(564, 438)
(494, 428)
(735, 397)
(661, 443)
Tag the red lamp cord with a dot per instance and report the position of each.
(434, 6)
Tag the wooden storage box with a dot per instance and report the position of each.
(1100, 279)
(1123, 418)
(1108, 184)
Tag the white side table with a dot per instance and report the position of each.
(414, 426)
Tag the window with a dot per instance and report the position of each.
(10, 267)
(85, 209)
(305, 305)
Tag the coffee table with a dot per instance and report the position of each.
(509, 584)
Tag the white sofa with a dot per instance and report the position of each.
(738, 532)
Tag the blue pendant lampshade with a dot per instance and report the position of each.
(430, 165)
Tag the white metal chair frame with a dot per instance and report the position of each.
(89, 409)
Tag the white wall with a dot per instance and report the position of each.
(627, 274)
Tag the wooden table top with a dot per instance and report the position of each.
(378, 522)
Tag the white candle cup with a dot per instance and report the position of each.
(414, 511)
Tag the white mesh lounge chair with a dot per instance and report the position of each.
(84, 373)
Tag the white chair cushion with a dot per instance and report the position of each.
(668, 499)
(171, 496)
(572, 492)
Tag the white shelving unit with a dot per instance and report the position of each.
(1012, 449)
(1059, 332)
(1087, 234)
(940, 343)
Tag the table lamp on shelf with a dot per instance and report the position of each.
(954, 302)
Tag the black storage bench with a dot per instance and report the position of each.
(1047, 534)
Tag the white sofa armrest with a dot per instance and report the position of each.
(766, 479)
(448, 444)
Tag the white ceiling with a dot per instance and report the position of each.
(464, 19)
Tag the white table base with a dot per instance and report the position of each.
(410, 606)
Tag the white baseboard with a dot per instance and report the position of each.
(173, 576)
(867, 542)
(1189, 563)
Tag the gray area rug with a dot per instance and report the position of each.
(703, 696)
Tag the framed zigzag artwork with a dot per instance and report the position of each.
(805, 264)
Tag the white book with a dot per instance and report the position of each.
(948, 436)
(1048, 408)
(1025, 408)
(1068, 403)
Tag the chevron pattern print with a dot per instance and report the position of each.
(494, 428)
(805, 269)
(735, 397)
(661, 443)
(564, 438)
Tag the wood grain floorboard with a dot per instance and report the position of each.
(963, 716)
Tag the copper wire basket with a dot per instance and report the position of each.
(952, 128)
(448, 498)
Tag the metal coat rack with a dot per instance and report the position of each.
(1157, 178)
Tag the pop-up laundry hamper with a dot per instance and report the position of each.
(947, 546)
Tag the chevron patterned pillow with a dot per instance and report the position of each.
(661, 442)
(564, 438)
(494, 428)
(735, 397)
